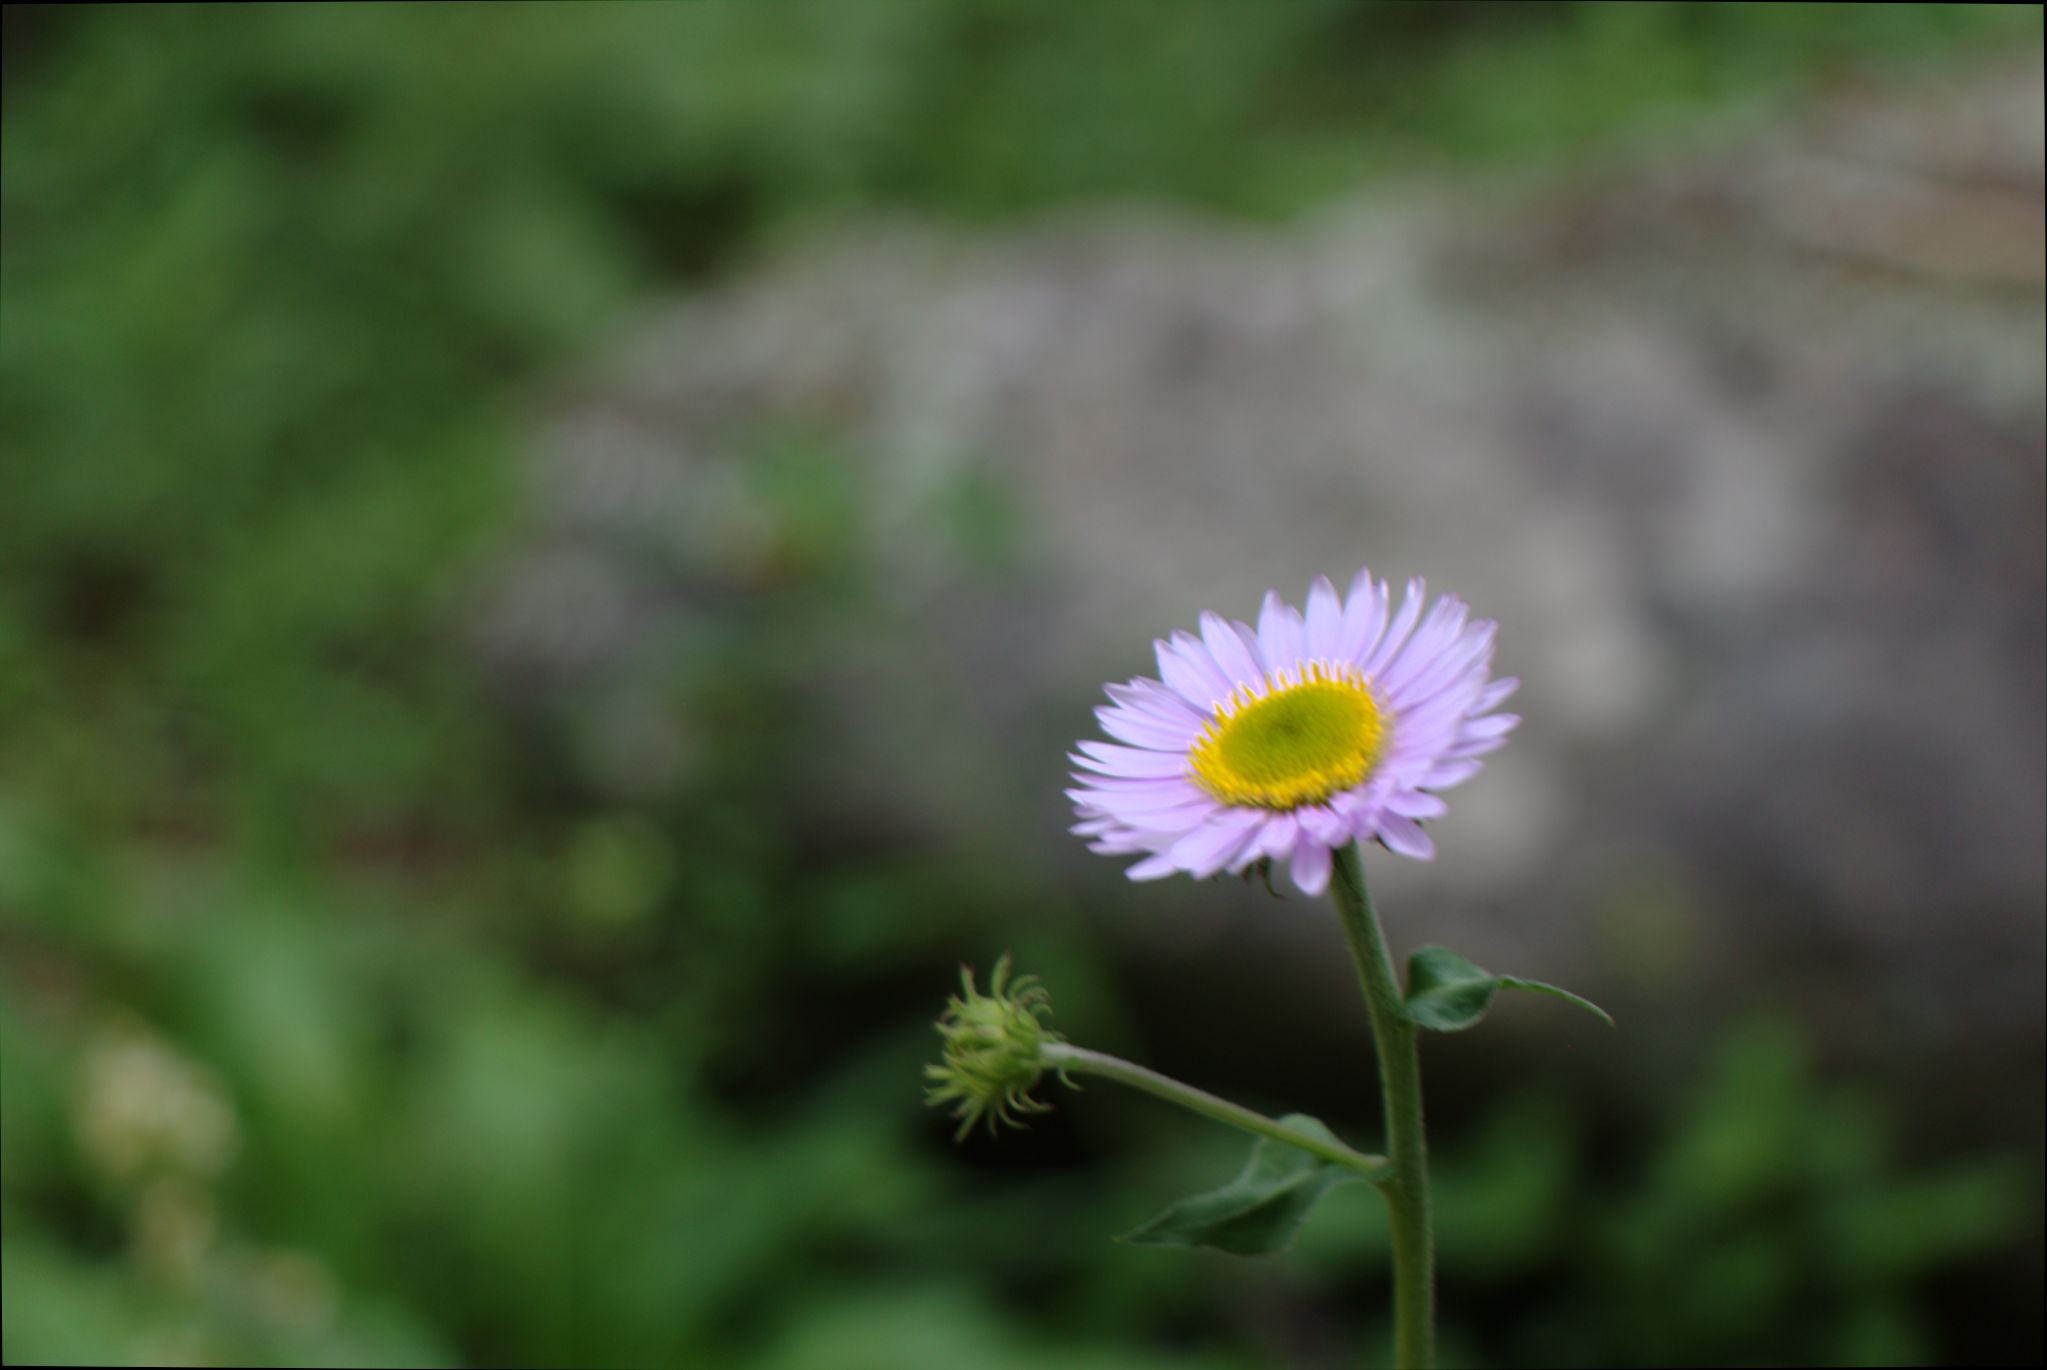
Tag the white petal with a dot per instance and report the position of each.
(1322, 826)
(1128, 762)
(1396, 633)
(1141, 730)
(1364, 617)
(1415, 804)
(1143, 810)
(1444, 774)
(1437, 632)
(1152, 699)
(1311, 867)
(1497, 725)
(1230, 651)
(1405, 836)
(1496, 694)
(1185, 666)
(1280, 633)
(1277, 838)
(1157, 866)
(1325, 621)
(1469, 654)
(1215, 844)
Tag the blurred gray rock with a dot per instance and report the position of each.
(1740, 439)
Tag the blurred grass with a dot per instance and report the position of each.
(512, 1077)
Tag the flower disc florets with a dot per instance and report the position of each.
(1296, 739)
(992, 1055)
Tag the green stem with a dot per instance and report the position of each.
(1407, 1191)
(1068, 1059)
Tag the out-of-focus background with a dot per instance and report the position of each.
(549, 558)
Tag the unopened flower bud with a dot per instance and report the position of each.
(993, 1052)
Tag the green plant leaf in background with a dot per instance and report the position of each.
(1258, 1212)
(1447, 993)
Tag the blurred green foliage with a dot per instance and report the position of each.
(1771, 1223)
(339, 1027)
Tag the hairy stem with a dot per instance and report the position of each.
(1407, 1188)
(1072, 1060)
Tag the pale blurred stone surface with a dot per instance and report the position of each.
(1741, 440)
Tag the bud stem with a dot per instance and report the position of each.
(1068, 1059)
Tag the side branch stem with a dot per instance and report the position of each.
(1068, 1059)
(1407, 1190)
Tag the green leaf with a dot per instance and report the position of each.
(1544, 987)
(1259, 1211)
(1447, 993)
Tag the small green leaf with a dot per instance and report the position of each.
(1544, 987)
(1447, 993)
(1260, 1210)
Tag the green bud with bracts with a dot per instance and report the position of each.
(993, 1052)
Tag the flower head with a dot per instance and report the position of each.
(992, 1053)
(1287, 741)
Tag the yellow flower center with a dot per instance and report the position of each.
(1297, 738)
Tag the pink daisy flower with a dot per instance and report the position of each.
(1287, 741)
